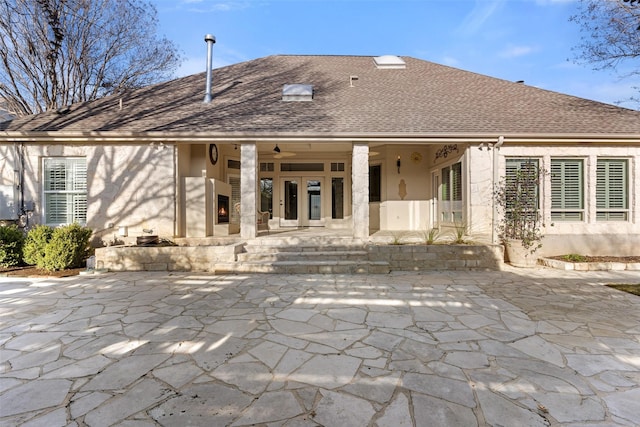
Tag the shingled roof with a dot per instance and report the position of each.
(422, 99)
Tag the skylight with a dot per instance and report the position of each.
(297, 92)
(389, 62)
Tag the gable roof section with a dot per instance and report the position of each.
(423, 99)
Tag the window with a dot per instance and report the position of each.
(65, 190)
(301, 167)
(375, 183)
(451, 193)
(337, 198)
(266, 167)
(234, 181)
(567, 194)
(522, 176)
(612, 197)
(266, 196)
(337, 167)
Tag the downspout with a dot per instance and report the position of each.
(18, 170)
(496, 177)
(176, 192)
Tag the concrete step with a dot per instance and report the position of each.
(308, 242)
(289, 254)
(304, 267)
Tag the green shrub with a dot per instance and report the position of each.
(67, 248)
(431, 236)
(11, 241)
(459, 232)
(35, 245)
(574, 258)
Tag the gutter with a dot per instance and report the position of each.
(387, 138)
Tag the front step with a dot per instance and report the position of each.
(281, 254)
(315, 255)
(304, 267)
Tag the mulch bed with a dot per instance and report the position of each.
(631, 288)
(31, 271)
(602, 258)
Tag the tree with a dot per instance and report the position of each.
(610, 34)
(57, 52)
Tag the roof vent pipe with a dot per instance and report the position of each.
(210, 39)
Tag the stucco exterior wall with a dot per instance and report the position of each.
(479, 193)
(127, 185)
(405, 190)
(587, 237)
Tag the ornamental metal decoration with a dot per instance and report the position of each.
(445, 151)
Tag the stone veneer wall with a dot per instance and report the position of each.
(165, 258)
(439, 257)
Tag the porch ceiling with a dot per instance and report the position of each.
(297, 147)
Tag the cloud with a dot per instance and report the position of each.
(614, 93)
(552, 2)
(207, 6)
(517, 51)
(450, 61)
(482, 11)
(198, 64)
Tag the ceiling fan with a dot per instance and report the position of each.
(279, 154)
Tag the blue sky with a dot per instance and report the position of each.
(528, 40)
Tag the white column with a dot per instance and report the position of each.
(360, 190)
(248, 190)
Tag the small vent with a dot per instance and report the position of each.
(297, 92)
(389, 62)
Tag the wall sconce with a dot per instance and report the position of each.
(398, 164)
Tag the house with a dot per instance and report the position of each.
(355, 143)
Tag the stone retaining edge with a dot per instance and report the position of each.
(589, 266)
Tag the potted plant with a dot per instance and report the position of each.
(520, 226)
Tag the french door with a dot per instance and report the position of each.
(301, 202)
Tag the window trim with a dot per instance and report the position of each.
(71, 194)
(518, 162)
(607, 211)
(562, 213)
(455, 202)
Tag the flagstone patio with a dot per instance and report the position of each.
(517, 347)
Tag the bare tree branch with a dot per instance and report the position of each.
(57, 52)
(610, 35)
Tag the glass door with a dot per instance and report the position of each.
(435, 195)
(301, 202)
(290, 202)
(313, 202)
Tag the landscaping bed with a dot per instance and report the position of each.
(33, 271)
(592, 263)
(626, 287)
(584, 258)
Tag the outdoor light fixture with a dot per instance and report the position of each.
(276, 149)
(398, 164)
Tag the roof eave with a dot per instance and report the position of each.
(74, 137)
